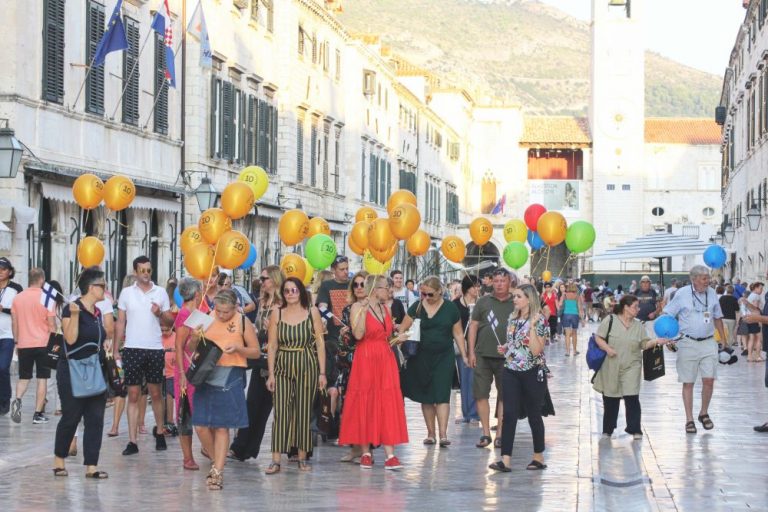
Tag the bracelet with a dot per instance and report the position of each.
(321, 375)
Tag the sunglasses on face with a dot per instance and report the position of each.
(428, 294)
(144, 271)
(263, 278)
(291, 291)
(358, 284)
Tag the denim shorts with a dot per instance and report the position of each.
(570, 321)
(221, 407)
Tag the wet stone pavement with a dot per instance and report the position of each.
(722, 469)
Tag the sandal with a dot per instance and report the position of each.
(215, 480)
(273, 468)
(484, 441)
(98, 475)
(205, 454)
(444, 442)
(113, 433)
(60, 472)
(706, 421)
(535, 465)
(191, 465)
(142, 429)
(501, 467)
(429, 441)
(303, 466)
(690, 427)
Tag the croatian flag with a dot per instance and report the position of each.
(48, 297)
(162, 25)
(499, 208)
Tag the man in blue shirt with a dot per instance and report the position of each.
(697, 309)
(738, 289)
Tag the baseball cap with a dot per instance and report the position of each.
(645, 278)
(5, 262)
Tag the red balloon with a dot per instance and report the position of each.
(532, 214)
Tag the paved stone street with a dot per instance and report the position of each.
(669, 470)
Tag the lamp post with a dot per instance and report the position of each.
(753, 218)
(728, 233)
(206, 194)
(10, 152)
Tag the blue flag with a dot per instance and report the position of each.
(162, 25)
(114, 39)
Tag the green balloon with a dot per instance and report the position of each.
(515, 254)
(320, 251)
(580, 236)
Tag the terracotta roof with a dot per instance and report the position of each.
(694, 131)
(555, 130)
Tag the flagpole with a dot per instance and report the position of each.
(133, 69)
(165, 84)
(182, 126)
(82, 85)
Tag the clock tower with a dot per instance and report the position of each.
(617, 121)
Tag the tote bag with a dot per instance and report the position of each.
(86, 375)
(653, 363)
(204, 360)
(411, 347)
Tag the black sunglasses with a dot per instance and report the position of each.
(263, 278)
(358, 284)
(428, 294)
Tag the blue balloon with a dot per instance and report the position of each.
(177, 297)
(666, 327)
(715, 256)
(250, 260)
(534, 240)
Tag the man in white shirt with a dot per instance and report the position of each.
(399, 291)
(140, 310)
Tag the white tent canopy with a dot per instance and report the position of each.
(656, 245)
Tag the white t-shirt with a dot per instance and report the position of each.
(757, 300)
(142, 327)
(7, 295)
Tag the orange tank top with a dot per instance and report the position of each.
(227, 334)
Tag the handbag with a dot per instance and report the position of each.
(185, 410)
(55, 342)
(87, 375)
(596, 355)
(114, 376)
(203, 361)
(323, 411)
(411, 346)
(653, 363)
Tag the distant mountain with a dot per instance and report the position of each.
(518, 51)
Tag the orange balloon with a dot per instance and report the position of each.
(293, 228)
(88, 191)
(119, 193)
(213, 223)
(310, 272)
(237, 200)
(481, 230)
(399, 197)
(404, 221)
(199, 261)
(90, 251)
(189, 237)
(318, 226)
(546, 276)
(453, 248)
(380, 237)
(552, 228)
(367, 214)
(354, 247)
(384, 256)
(232, 249)
(419, 243)
(359, 235)
(293, 265)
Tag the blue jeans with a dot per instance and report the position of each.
(6, 356)
(468, 405)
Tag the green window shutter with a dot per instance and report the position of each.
(382, 182)
(313, 154)
(227, 114)
(243, 156)
(250, 142)
(262, 139)
(374, 196)
(336, 165)
(161, 88)
(389, 179)
(273, 140)
(300, 150)
(94, 86)
(213, 129)
(131, 68)
(53, 51)
(326, 180)
(362, 173)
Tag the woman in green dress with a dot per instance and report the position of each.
(623, 337)
(428, 375)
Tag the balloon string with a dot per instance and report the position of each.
(565, 264)
(546, 267)
(540, 259)
(210, 273)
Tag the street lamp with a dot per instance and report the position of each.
(728, 233)
(206, 194)
(717, 238)
(10, 152)
(753, 218)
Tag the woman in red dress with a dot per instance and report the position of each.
(374, 411)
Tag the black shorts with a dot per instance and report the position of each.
(33, 357)
(143, 365)
(753, 328)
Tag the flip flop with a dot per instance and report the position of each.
(98, 475)
(535, 465)
(273, 468)
(501, 467)
(429, 441)
(60, 472)
(484, 441)
(113, 434)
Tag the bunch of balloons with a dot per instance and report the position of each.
(89, 191)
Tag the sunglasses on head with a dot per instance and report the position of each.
(428, 294)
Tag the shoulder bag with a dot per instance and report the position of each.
(203, 361)
(596, 355)
(411, 347)
(86, 375)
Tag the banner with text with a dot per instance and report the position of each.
(560, 195)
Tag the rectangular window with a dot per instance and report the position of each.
(313, 153)
(269, 6)
(326, 140)
(362, 172)
(626, 187)
(262, 150)
(131, 73)
(94, 86)
(53, 51)
(338, 64)
(227, 118)
(555, 164)
(302, 41)
(326, 56)
(610, 186)
(255, 10)
(337, 161)
(252, 129)
(273, 139)
(161, 87)
(215, 121)
(300, 149)
(374, 177)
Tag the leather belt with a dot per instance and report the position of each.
(696, 339)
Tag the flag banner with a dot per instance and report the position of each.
(499, 208)
(492, 320)
(325, 313)
(199, 29)
(48, 296)
(114, 38)
(162, 25)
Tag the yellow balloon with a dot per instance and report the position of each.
(419, 243)
(380, 236)
(399, 197)
(354, 247)
(293, 265)
(552, 228)
(90, 251)
(256, 178)
(372, 266)
(232, 250)
(119, 193)
(309, 273)
(515, 231)
(199, 261)
(404, 221)
(293, 227)
(88, 190)
(481, 231)
(453, 248)
(237, 200)
(213, 223)
(318, 226)
(367, 214)
(189, 237)
(546, 276)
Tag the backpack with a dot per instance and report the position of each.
(596, 355)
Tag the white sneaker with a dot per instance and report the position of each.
(16, 410)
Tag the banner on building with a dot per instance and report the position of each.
(560, 195)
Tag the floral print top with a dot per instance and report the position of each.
(518, 356)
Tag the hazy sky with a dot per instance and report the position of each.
(698, 33)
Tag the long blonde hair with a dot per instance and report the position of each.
(277, 277)
(534, 302)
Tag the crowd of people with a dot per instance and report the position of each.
(338, 359)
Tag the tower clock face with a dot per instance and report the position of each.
(617, 117)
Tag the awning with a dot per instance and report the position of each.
(62, 193)
(656, 245)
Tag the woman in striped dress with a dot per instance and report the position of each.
(296, 359)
